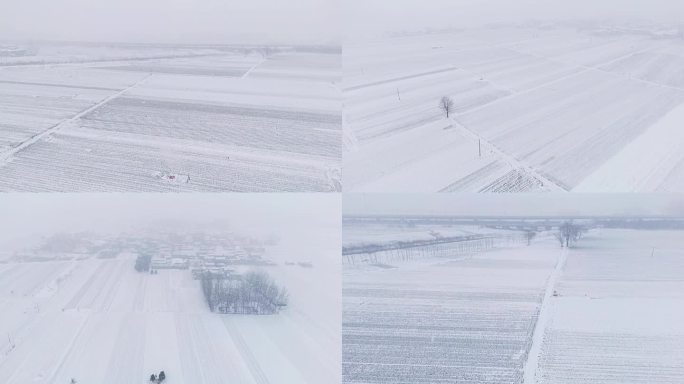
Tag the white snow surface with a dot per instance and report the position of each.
(618, 316)
(540, 108)
(230, 121)
(607, 310)
(100, 321)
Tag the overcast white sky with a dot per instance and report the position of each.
(292, 21)
(514, 204)
(30, 215)
(371, 17)
(172, 21)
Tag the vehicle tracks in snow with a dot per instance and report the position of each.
(252, 363)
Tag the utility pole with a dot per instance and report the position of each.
(9, 340)
(479, 148)
(398, 96)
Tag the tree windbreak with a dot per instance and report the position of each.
(252, 293)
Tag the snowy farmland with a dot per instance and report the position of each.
(97, 320)
(547, 108)
(209, 119)
(617, 316)
(464, 317)
(606, 310)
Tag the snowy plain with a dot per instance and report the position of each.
(74, 306)
(100, 321)
(606, 310)
(90, 119)
(536, 107)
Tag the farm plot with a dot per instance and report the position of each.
(181, 125)
(467, 318)
(532, 110)
(65, 53)
(317, 67)
(567, 130)
(33, 100)
(100, 321)
(214, 65)
(81, 161)
(616, 316)
(661, 65)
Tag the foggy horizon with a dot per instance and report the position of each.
(172, 22)
(282, 214)
(412, 15)
(470, 204)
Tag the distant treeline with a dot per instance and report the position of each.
(365, 248)
(518, 222)
(388, 253)
(251, 293)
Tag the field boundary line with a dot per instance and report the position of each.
(4, 157)
(400, 78)
(263, 60)
(512, 161)
(600, 66)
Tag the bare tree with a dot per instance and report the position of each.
(529, 235)
(569, 232)
(446, 105)
(559, 237)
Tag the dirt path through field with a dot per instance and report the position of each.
(530, 368)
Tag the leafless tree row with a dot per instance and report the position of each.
(374, 254)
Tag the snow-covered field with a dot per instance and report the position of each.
(194, 120)
(607, 310)
(100, 321)
(535, 108)
(618, 316)
(464, 318)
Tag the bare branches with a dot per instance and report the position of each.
(446, 104)
(252, 293)
(569, 233)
